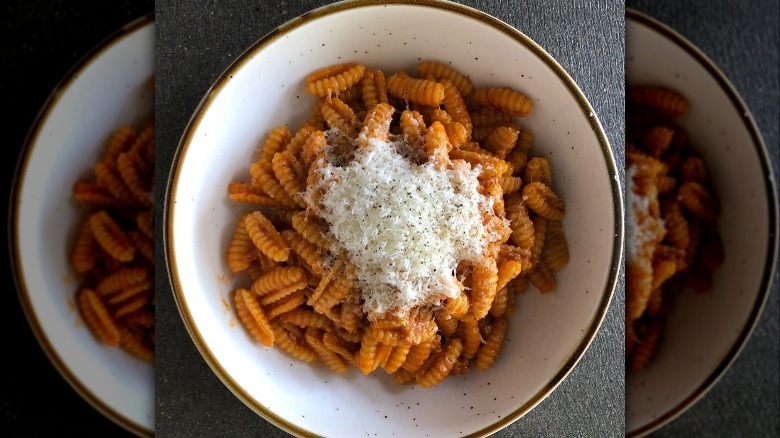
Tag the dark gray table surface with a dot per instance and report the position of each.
(741, 38)
(197, 41)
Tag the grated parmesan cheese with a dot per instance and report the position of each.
(643, 230)
(405, 226)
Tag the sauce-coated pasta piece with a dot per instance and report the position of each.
(85, 251)
(335, 79)
(293, 342)
(420, 91)
(488, 352)
(501, 141)
(544, 201)
(442, 365)
(505, 99)
(373, 88)
(663, 99)
(97, 317)
(265, 237)
(111, 237)
(441, 71)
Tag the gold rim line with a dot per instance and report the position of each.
(14, 238)
(213, 92)
(771, 255)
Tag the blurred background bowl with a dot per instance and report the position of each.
(109, 88)
(705, 332)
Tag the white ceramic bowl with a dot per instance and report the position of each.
(705, 333)
(107, 89)
(265, 88)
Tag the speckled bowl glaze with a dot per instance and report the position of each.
(265, 88)
(705, 333)
(108, 88)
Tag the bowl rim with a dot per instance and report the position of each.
(328, 10)
(14, 242)
(770, 265)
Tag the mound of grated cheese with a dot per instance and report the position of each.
(643, 230)
(405, 226)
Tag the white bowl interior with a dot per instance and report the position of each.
(548, 333)
(111, 90)
(703, 330)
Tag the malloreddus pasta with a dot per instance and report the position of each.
(114, 248)
(672, 230)
(395, 227)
